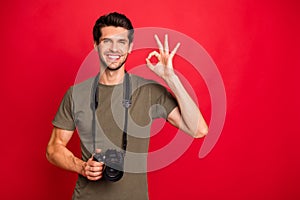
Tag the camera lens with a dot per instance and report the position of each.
(112, 174)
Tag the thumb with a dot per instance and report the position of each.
(96, 151)
(149, 64)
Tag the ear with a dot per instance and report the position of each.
(96, 47)
(130, 47)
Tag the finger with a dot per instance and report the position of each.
(91, 178)
(166, 44)
(94, 176)
(96, 164)
(149, 64)
(93, 163)
(90, 160)
(154, 53)
(160, 46)
(175, 49)
(98, 151)
(95, 169)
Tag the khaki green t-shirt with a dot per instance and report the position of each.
(149, 101)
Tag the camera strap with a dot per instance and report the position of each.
(126, 104)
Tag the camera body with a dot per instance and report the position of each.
(113, 164)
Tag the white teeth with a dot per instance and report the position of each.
(113, 56)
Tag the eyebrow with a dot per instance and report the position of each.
(101, 39)
(121, 39)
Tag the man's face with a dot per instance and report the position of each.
(114, 47)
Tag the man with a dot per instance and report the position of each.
(113, 36)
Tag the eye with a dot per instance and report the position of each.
(106, 41)
(123, 42)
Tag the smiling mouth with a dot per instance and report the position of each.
(113, 57)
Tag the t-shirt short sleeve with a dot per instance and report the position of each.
(64, 117)
(164, 102)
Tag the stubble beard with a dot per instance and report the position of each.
(113, 69)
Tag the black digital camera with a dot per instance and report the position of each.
(113, 164)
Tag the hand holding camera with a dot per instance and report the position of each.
(113, 164)
(93, 169)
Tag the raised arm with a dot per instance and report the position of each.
(187, 116)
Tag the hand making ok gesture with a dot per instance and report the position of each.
(164, 66)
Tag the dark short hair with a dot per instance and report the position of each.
(112, 19)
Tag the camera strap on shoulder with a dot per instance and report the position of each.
(126, 104)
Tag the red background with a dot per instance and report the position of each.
(255, 45)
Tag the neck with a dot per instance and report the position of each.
(109, 77)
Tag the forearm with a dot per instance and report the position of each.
(192, 121)
(61, 157)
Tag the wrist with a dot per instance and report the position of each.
(171, 80)
(82, 171)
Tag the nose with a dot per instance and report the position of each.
(114, 46)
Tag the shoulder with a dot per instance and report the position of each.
(79, 91)
(149, 88)
(82, 85)
(140, 82)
